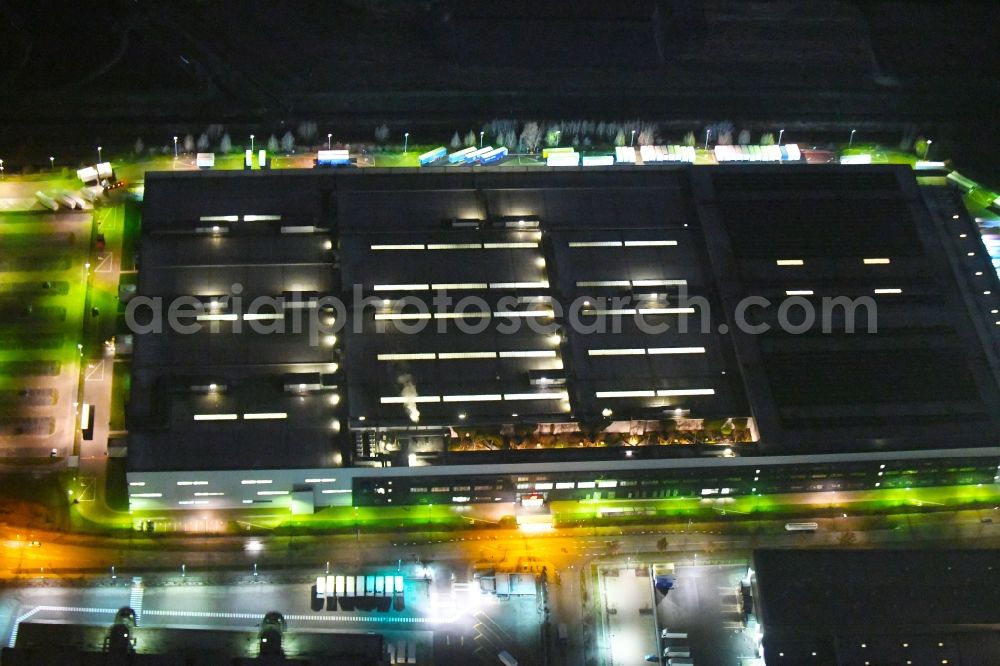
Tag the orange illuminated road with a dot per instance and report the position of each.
(556, 549)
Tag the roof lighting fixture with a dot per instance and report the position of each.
(790, 262)
(626, 394)
(892, 290)
(798, 292)
(876, 260)
(398, 247)
(555, 395)
(616, 352)
(263, 416)
(473, 397)
(402, 400)
(675, 350)
(649, 243)
(668, 393)
(215, 417)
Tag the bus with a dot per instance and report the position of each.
(494, 155)
(801, 527)
(477, 154)
(458, 157)
(432, 155)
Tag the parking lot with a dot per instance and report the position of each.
(629, 633)
(704, 603)
(42, 294)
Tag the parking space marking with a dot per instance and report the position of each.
(87, 489)
(95, 371)
(105, 263)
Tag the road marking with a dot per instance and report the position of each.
(17, 624)
(87, 489)
(135, 599)
(105, 263)
(95, 372)
(222, 615)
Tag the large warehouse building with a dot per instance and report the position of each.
(467, 335)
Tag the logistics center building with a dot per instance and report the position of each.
(455, 335)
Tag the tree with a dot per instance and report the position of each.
(226, 144)
(214, 131)
(138, 147)
(767, 139)
(470, 138)
(744, 138)
(576, 141)
(510, 139)
(456, 141)
(689, 139)
(725, 139)
(188, 143)
(531, 135)
(307, 130)
(620, 138)
(646, 137)
(382, 133)
(847, 538)
(203, 142)
(288, 142)
(272, 144)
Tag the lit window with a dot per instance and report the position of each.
(475, 397)
(616, 352)
(595, 244)
(445, 356)
(460, 285)
(215, 417)
(546, 353)
(400, 287)
(406, 357)
(401, 400)
(511, 246)
(626, 394)
(556, 395)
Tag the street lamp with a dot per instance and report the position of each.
(851, 142)
(52, 163)
(1, 169)
(481, 133)
(927, 149)
(175, 147)
(328, 139)
(251, 143)
(631, 141)
(99, 160)
(707, 132)
(780, 133)
(406, 141)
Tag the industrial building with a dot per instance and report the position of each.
(877, 607)
(460, 335)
